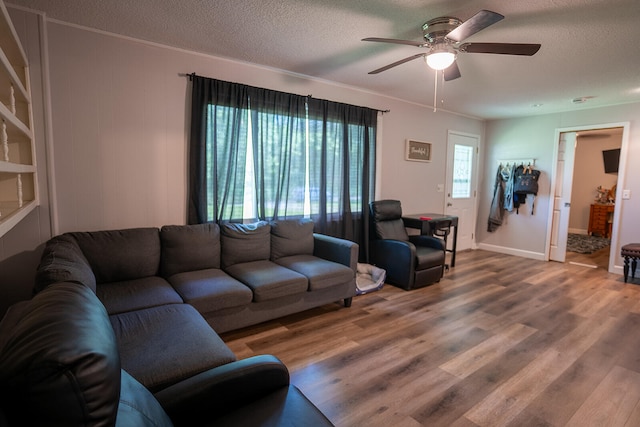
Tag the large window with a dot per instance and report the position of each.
(262, 154)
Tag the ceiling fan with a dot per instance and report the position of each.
(444, 38)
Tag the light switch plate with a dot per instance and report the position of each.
(626, 194)
(440, 188)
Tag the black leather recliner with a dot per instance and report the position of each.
(410, 261)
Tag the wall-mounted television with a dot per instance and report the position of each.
(611, 160)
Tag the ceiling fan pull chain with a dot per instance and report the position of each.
(435, 93)
(442, 90)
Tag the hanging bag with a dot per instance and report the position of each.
(526, 182)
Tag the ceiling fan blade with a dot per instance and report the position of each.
(452, 72)
(395, 41)
(402, 61)
(525, 49)
(477, 22)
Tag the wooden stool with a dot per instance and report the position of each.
(630, 251)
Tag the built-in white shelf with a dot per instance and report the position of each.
(18, 181)
(12, 215)
(13, 168)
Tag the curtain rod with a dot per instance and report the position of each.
(192, 75)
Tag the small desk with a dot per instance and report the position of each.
(427, 227)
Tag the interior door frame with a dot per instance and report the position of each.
(622, 169)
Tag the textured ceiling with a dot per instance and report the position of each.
(589, 48)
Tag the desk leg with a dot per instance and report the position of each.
(455, 243)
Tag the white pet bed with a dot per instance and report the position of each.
(369, 278)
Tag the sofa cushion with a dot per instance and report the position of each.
(117, 255)
(269, 280)
(291, 237)
(211, 290)
(245, 242)
(130, 295)
(321, 273)
(138, 407)
(160, 346)
(59, 364)
(63, 261)
(189, 248)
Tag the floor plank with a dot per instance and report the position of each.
(499, 341)
(488, 350)
(612, 402)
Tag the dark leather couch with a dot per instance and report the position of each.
(60, 366)
(120, 327)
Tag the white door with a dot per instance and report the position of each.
(562, 197)
(461, 185)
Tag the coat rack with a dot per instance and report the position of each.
(524, 162)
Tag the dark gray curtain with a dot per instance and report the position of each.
(278, 129)
(217, 150)
(342, 161)
(338, 161)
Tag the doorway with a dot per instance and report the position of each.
(461, 184)
(575, 235)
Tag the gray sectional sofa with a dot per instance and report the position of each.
(164, 295)
(234, 275)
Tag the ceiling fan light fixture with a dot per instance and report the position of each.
(440, 58)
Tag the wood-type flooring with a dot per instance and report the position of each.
(499, 341)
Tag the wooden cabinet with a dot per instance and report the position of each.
(600, 219)
(18, 183)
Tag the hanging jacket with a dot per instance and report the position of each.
(496, 212)
(508, 174)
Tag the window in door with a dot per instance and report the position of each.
(462, 169)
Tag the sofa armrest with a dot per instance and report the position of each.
(427, 241)
(63, 261)
(397, 257)
(335, 249)
(223, 389)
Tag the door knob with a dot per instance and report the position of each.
(449, 204)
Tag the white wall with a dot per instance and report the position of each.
(415, 183)
(534, 137)
(120, 120)
(525, 138)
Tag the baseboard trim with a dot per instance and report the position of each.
(511, 251)
(578, 231)
(617, 269)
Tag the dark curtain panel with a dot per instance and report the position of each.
(217, 150)
(278, 129)
(283, 154)
(342, 164)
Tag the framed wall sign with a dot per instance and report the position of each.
(418, 151)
